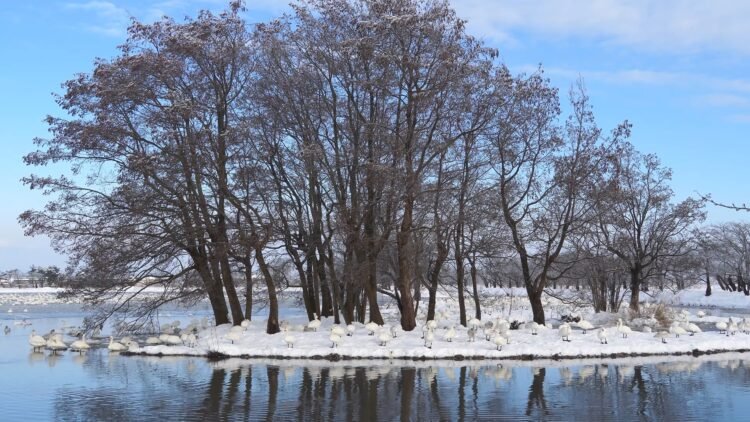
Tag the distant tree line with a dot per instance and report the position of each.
(354, 148)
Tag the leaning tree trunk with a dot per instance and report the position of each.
(272, 327)
(535, 299)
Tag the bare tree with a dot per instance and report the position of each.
(637, 221)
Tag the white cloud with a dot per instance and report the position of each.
(676, 26)
(110, 19)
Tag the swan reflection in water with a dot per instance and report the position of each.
(286, 390)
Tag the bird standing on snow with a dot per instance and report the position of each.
(676, 329)
(602, 336)
(429, 337)
(288, 339)
(314, 324)
(335, 339)
(564, 331)
(623, 329)
(722, 327)
(585, 325)
(450, 334)
(384, 337)
(350, 330)
(499, 341)
(731, 327)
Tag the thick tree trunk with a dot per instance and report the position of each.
(272, 326)
(460, 286)
(214, 291)
(405, 265)
(535, 299)
(234, 301)
(635, 287)
(371, 292)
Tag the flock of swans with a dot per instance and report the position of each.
(170, 335)
(499, 331)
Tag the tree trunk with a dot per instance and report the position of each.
(272, 327)
(371, 292)
(535, 298)
(635, 287)
(460, 286)
(248, 264)
(405, 265)
(474, 288)
(708, 283)
(214, 291)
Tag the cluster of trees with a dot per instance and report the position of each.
(354, 148)
(37, 276)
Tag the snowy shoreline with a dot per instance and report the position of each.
(524, 346)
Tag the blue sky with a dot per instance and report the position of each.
(679, 70)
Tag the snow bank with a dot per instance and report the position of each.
(254, 343)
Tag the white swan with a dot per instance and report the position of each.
(338, 330)
(173, 340)
(731, 327)
(429, 337)
(488, 332)
(534, 327)
(371, 327)
(335, 339)
(450, 334)
(623, 329)
(231, 336)
(80, 346)
(152, 341)
(676, 329)
(314, 324)
(55, 343)
(350, 330)
(700, 314)
(474, 323)
(602, 335)
(384, 337)
(395, 329)
(245, 324)
(499, 341)
(721, 326)
(585, 325)
(36, 341)
(471, 334)
(691, 328)
(115, 346)
(564, 331)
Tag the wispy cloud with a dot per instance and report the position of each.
(674, 26)
(109, 19)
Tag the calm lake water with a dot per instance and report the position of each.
(101, 386)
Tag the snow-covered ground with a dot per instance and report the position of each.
(508, 304)
(696, 297)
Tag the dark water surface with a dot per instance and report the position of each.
(103, 387)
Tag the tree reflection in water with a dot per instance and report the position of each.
(241, 390)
